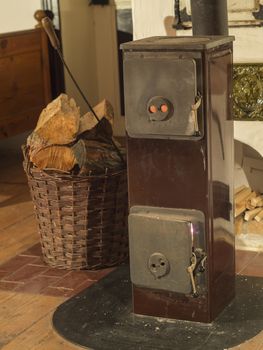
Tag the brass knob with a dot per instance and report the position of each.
(39, 15)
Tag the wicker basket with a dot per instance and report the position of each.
(82, 220)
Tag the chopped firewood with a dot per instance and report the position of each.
(100, 156)
(239, 189)
(88, 155)
(61, 158)
(250, 214)
(249, 206)
(259, 216)
(242, 195)
(248, 211)
(54, 157)
(58, 123)
(79, 150)
(248, 200)
(241, 200)
(257, 202)
(105, 114)
(239, 225)
(65, 142)
(239, 209)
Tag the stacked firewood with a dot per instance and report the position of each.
(248, 208)
(65, 141)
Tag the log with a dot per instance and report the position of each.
(58, 123)
(250, 214)
(259, 216)
(55, 158)
(100, 156)
(249, 206)
(88, 155)
(61, 158)
(88, 122)
(64, 141)
(239, 209)
(242, 195)
(248, 200)
(239, 189)
(240, 200)
(257, 202)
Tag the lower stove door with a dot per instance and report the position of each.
(161, 245)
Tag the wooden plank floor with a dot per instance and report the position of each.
(25, 317)
(27, 329)
(17, 223)
(40, 336)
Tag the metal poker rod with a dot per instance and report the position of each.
(49, 29)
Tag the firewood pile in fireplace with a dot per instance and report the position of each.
(248, 211)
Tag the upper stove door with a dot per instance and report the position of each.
(161, 97)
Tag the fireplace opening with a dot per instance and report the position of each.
(248, 178)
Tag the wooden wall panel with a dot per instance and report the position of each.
(24, 80)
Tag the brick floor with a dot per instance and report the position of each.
(28, 273)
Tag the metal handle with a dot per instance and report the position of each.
(195, 107)
(190, 270)
(49, 29)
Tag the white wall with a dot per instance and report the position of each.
(123, 4)
(107, 60)
(149, 17)
(17, 15)
(90, 49)
(77, 28)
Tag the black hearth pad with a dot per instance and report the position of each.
(100, 318)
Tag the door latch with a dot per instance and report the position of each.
(198, 260)
(194, 115)
(191, 270)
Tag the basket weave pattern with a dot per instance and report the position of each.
(82, 220)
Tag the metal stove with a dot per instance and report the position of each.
(180, 172)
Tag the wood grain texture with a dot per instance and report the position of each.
(15, 208)
(25, 77)
(250, 214)
(255, 343)
(40, 336)
(259, 216)
(18, 229)
(20, 311)
(17, 238)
